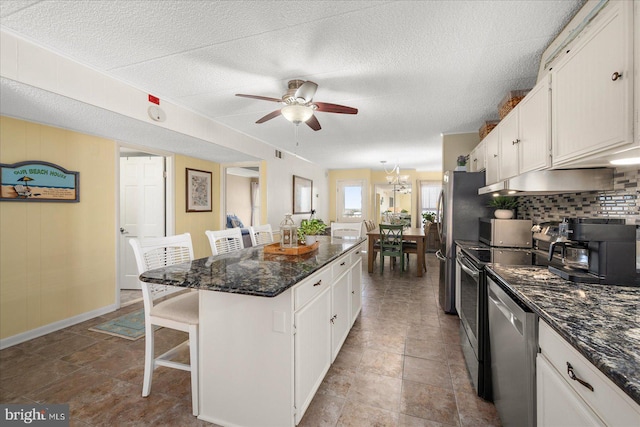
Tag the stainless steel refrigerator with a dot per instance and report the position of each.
(459, 210)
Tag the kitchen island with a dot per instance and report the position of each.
(270, 327)
(601, 322)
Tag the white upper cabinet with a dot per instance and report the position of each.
(492, 143)
(477, 158)
(592, 90)
(509, 139)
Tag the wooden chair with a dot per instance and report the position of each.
(178, 312)
(391, 244)
(225, 241)
(412, 248)
(348, 230)
(261, 235)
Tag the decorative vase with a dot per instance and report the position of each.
(309, 240)
(503, 213)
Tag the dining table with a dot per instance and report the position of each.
(411, 234)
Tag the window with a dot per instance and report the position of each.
(350, 201)
(429, 192)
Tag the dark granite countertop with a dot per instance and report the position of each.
(602, 322)
(250, 271)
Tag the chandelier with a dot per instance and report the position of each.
(393, 175)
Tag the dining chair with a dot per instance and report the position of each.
(391, 244)
(261, 234)
(178, 312)
(412, 248)
(225, 241)
(349, 230)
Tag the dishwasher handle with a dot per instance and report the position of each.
(506, 312)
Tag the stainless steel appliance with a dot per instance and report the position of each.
(592, 250)
(513, 334)
(471, 304)
(459, 208)
(515, 233)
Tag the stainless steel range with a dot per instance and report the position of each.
(471, 304)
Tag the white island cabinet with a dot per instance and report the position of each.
(263, 359)
(573, 392)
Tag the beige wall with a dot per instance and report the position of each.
(239, 197)
(57, 260)
(197, 223)
(454, 145)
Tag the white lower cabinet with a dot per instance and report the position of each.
(340, 320)
(558, 404)
(573, 392)
(312, 349)
(355, 285)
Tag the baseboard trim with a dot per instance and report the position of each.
(55, 326)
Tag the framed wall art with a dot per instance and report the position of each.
(37, 181)
(199, 187)
(302, 195)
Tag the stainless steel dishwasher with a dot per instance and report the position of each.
(513, 336)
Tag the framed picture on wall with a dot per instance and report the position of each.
(302, 200)
(198, 191)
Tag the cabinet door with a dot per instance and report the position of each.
(312, 349)
(535, 129)
(592, 110)
(340, 319)
(356, 289)
(492, 143)
(509, 139)
(557, 404)
(481, 157)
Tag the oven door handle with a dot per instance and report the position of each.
(461, 260)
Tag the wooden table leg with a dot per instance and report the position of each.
(370, 254)
(420, 256)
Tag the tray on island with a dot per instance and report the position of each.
(275, 248)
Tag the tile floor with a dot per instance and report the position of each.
(401, 365)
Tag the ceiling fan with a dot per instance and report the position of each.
(299, 105)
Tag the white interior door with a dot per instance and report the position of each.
(142, 209)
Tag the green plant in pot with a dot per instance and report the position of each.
(428, 218)
(504, 206)
(309, 229)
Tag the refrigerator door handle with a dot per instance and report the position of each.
(440, 256)
(440, 213)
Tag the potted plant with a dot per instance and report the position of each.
(428, 218)
(309, 229)
(461, 163)
(504, 206)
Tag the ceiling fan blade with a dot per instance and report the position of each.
(335, 108)
(263, 98)
(269, 116)
(306, 91)
(313, 123)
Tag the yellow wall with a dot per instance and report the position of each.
(57, 260)
(373, 177)
(197, 223)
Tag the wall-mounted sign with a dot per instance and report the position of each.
(35, 181)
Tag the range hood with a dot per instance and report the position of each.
(553, 182)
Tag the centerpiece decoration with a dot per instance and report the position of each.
(309, 229)
(504, 206)
(428, 218)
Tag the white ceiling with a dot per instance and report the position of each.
(414, 69)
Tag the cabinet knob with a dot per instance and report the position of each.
(515, 142)
(495, 155)
(615, 76)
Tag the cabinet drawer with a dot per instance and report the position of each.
(341, 265)
(607, 400)
(356, 254)
(310, 287)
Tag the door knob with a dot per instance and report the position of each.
(123, 231)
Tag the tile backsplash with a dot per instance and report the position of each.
(621, 202)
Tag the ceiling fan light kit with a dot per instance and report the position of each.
(298, 105)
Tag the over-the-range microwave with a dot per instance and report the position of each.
(513, 233)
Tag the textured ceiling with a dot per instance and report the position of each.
(414, 69)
